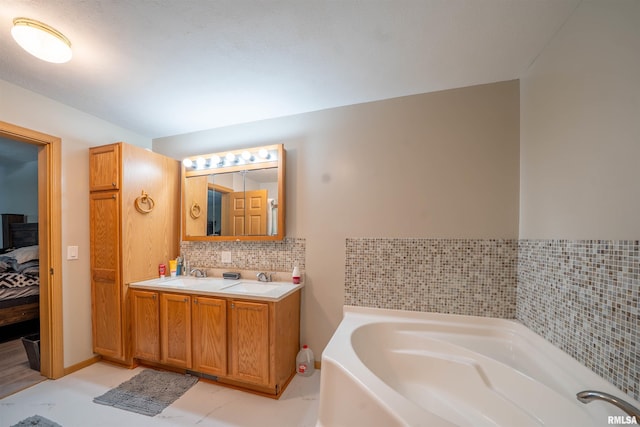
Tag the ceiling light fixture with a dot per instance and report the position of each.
(41, 41)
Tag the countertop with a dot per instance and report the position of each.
(217, 286)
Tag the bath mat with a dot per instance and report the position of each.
(149, 392)
(36, 420)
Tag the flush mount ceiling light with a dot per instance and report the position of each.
(41, 41)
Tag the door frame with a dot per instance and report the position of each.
(50, 242)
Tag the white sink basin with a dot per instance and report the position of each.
(251, 288)
(196, 283)
(172, 282)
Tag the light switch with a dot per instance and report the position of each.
(72, 252)
(226, 257)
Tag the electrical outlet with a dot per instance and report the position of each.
(226, 257)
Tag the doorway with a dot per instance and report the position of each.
(50, 243)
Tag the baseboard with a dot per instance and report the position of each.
(73, 368)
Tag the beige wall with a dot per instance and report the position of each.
(580, 128)
(443, 164)
(78, 131)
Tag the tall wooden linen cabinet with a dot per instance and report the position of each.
(134, 226)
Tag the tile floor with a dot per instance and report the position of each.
(69, 402)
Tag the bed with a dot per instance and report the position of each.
(19, 270)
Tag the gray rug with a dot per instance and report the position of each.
(36, 420)
(149, 392)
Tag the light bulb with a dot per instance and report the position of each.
(263, 153)
(187, 163)
(231, 158)
(200, 162)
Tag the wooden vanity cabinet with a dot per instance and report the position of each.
(145, 325)
(167, 330)
(245, 343)
(264, 339)
(175, 330)
(126, 243)
(161, 327)
(209, 335)
(249, 341)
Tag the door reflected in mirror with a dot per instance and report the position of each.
(240, 202)
(243, 203)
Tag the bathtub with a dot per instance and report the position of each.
(400, 368)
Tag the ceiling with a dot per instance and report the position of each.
(166, 67)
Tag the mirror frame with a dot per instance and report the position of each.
(278, 163)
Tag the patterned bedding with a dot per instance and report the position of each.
(19, 271)
(7, 294)
(17, 280)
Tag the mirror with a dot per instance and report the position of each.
(236, 195)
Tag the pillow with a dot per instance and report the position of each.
(22, 255)
(31, 268)
(5, 264)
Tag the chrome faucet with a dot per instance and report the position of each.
(587, 396)
(264, 277)
(198, 272)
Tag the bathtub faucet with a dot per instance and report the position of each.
(587, 396)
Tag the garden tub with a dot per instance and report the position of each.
(399, 368)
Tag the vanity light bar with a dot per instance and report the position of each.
(231, 159)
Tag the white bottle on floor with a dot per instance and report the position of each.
(305, 363)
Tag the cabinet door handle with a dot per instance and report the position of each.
(233, 305)
(113, 184)
(153, 296)
(185, 300)
(195, 300)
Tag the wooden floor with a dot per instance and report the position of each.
(15, 373)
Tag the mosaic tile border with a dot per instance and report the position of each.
(459, 276)
(582, 296)
(257, 255)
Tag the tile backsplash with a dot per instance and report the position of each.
(255, 255)
(459, 276)
(582, 296)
